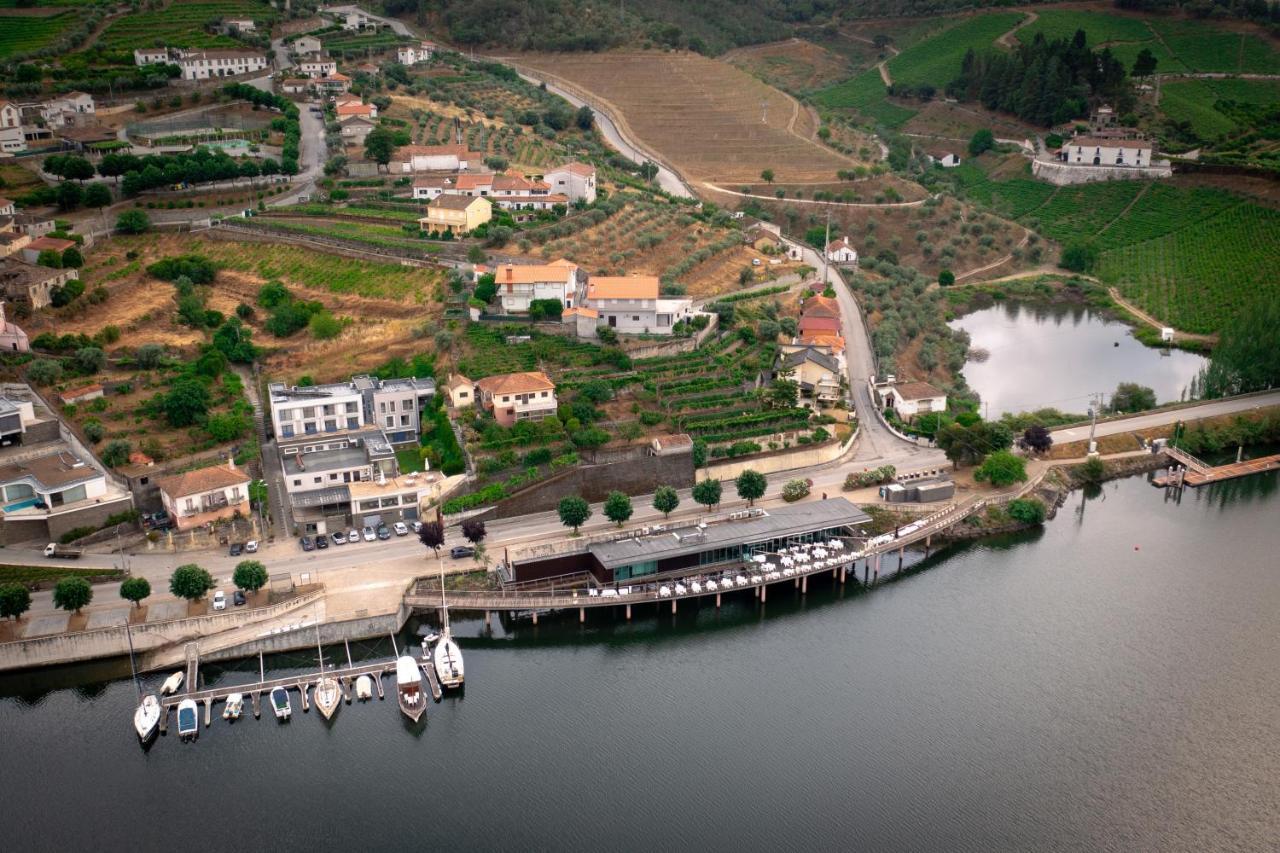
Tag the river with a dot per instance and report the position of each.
(1057, 356)
(1107, 682)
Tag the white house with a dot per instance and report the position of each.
(435, 158)
(244, 25)
(910, 399)
(575, 180)
(517, 396)
(355, 129)
(196, 498)
(307, 45)
(295, 85)
(12, 139)
(519, 285)
(151, 56)
(207, 64)
(842, 252)
(321, 66)
(411, 54)
(315, 410)
(1106, 151)
(631, 305)
(429, 187)
(949, 160)
(347, 109)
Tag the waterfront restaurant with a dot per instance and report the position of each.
(719, 544)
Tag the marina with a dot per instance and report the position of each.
(1191, 471)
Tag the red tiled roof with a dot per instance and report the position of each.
(516, 383)
(201, 480)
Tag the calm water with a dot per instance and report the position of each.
(1106, 683)
(1058, 355)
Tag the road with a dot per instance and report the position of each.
(1157, 419)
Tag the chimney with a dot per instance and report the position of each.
(231, 462)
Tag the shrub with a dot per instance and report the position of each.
(45, 371)
(794, 490)
(1001, 468)
(1027, 510)
(133, 222)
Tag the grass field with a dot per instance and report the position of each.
(937, 60)
(702, 115)
(866, 94)
(20, 35)
(1193, 101)
(180, 24)
(1202, 48)
(1100, 27)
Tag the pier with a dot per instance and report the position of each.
(1195, 472)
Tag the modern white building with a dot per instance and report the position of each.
(520, 285)
(207, 64)
(412, 54)
(630, 305)
(320, 66)
(575, 180)
(151, 56)
(392, 405)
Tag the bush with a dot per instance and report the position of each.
(197, 268)
(794, 490)
(133, 222)
(1001, 468)
(1027, 510)
(44, 371)
(116, 453)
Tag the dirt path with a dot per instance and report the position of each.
(1122, 214)
(720, 189)
(1154, 323)
(1006, 40)
(997, 262)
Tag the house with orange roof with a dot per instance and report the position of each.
(513, 397)
(820, 306)
(31, 251)
(630, 305)
(435, 158)
(842, 252)
(456, 214)
(195, 498)
(520, 284)
(335, 84)
(813, 324)
(353, 108)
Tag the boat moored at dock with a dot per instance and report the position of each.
(234, 707)
(171, 684)
(413, 703)
(364, 688)
(146, 719)
(188, 720)
(327, 695)
(280, 703)
(447, 658)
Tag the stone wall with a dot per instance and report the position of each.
(1064, 174)
(94, 515)
(594, 482)
(364, 628)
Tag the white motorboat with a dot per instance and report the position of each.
(413, 702)
(364, 688)
(171, 684)
(146, 719)
(280, 703)
(234, 707)
(188, 720)
(327, 695)
(447, 657)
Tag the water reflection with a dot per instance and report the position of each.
(1041, 355)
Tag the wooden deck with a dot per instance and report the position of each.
(1199, 473)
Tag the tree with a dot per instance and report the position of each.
(946, 278)
(1094, 470)
(185, 403)
(97, 195)
(783, 393)
(45, 371)
(250, 575)
(982, 140)
(135, 589)
(751, 485)
(617, 507)
(379, 145)
(584, 118)
(14, 600)
(72, 259)
(794, 490)
(133, 222)
(707, 492)
(432, 536)
(72, 594)
(1026, 510)
(69, 196)
(473, 530)
(1132, 397)
(965, 445)
(116, 453)
(190, 581)
(1037, 438)
(1145, 64)
(49, 258)
(573, 512)
(1079, 256)
(767, 176)
(665, 500)
(90, 360)
(1247, 357)
(476, 255)
(1001, 469)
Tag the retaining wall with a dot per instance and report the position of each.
(1064, 174)
(594, 482)
(364, 628)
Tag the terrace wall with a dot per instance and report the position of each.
(594, 482)
(1064, 174)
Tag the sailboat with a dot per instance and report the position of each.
(413, 703)
(327, 693)
(146, 719)
(446, 655)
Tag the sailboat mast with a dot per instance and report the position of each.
(137, 685)
(319, 650)
(444, 605)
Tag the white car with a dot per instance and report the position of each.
(219, 600)
(251, 547)
(353, 536)
(369, 534)
(400, 529)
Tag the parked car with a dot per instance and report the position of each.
(219, 600)
(416, 525)
(322, 543)
(251, 547)
(339, 538)
(307, 544)
(353, 535)
(369, 535)
(460, 551)
(400, 529)
(383, 532)
(238, 597)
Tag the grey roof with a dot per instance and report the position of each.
(422, 386)
(818, 357)
(320, 497)
(326, 460)
(775, 523)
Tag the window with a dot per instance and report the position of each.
(391, 420)
(353, 423)
(333, 477)
(382, 407)
(286, 430)
(317, 480)
(405, 420)
(235, 494)
(330, 426)
(297, 482)
(544, 393)
(311, 428)
(309, 412)
(191, 504)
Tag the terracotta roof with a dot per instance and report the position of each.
(137, 457)
(457, 380)
(581, 169)
(1099, 142)
(346, 121)
(335, 76)
(433, 181)
(456, 202)
(915, 391)
(5, 202)
(623, 287)
(581, 311)
(551, 198)
(516, 383)
(83, 391)
(57, 244)
(809, 323)
(354, 109)
(675, 439)
(296, 81)
(562, 262)
(531, 273)
(473, 182)
(842, 243)
(510, 183)
(201, 480)
(820, 306)
(818, 339)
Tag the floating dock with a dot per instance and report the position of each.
(1195, 472)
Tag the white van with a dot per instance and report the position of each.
(219, 600)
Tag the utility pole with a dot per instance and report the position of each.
(826, 250)
(1093, 422)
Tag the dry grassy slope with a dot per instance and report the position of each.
(711, 120)
(794, 65)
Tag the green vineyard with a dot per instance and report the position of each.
(866, 94)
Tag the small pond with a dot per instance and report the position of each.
(1041, 356)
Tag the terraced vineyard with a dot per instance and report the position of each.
(22, 35)
(1196, 277)
(865, 93)
(1014, 198)
(180, 24)
(936, 60)
(1203, 48)
(1084, 210)
(1194, 101)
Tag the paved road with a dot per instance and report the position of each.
(399, 27)
(1157, 419)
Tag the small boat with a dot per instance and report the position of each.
(448, 661)
(146, 720)
(234, 707)
(409, 688)
(430, 638)
(280, 703)
(171, 684)
(327, 695)
(188, 720)
(364, 688)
